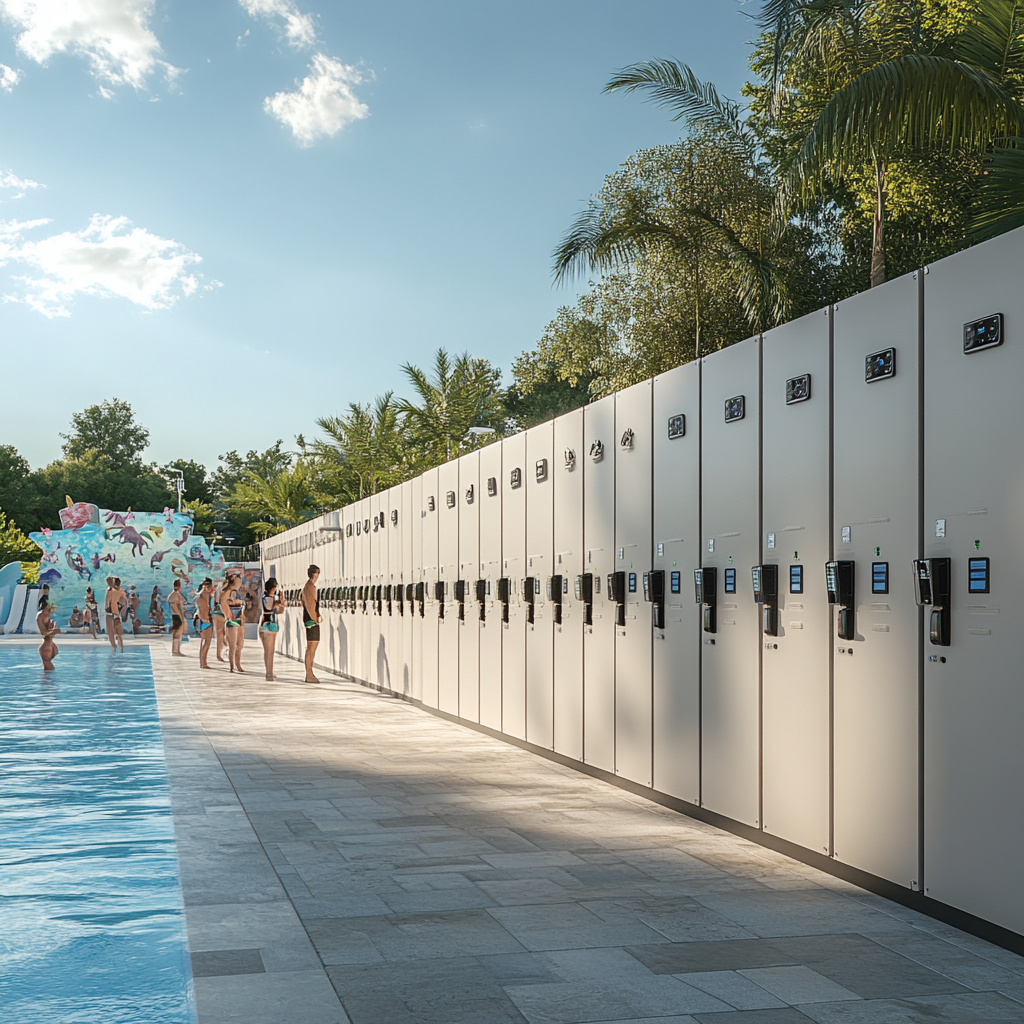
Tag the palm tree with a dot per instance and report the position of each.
(366, 444)
(460, 393)
(282, 501)
(707, 227)
(907, 103)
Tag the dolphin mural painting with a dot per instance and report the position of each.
(133, 545)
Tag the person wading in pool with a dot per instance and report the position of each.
(205, 625)
(272, 605)
(47, 629)
(177, 603)
(112, 604)
(311, 620)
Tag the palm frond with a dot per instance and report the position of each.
(673, 85)
(911, 103)
(1000, 199)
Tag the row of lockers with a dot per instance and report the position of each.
(774, 583)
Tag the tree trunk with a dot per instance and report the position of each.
(878, 235)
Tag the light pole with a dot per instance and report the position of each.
(179, 485)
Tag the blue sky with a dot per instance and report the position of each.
(240, 215)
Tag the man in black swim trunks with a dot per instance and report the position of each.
(177, 603)
(311, 619)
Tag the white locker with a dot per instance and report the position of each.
(378, 557)
(634, 682)
(418, 518)
(539, 569)
(677, 646)
(875, 523)
(361, 630)
(795, 530)
(598, 564)
(514, 570)
(974, 498)
(408, 515)
(568, 467)
(448, 562)
(468, 609)
(491, 628)
(430, 510)
(393, 583)
(730, 417)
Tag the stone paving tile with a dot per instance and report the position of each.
(388, 863)
(739, 992)
(797, 984)
(965, 1008)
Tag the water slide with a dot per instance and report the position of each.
(29, 612)
(13, 598)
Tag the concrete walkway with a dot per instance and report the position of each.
(346, 856)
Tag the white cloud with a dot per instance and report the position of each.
(108, 258)
(9, 78)
(9, 180)
(299, 29)
(323, 103)
(112, 35)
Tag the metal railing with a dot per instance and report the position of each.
(237, 553)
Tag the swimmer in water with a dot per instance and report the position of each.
(47, 629)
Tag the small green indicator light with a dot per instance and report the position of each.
(878, 551)
(977, 545)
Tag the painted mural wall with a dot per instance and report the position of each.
(147, 550)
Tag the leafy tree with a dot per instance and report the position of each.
(281, 501)
(91, 477)
(366, 449)
(14, 545)
(230, 518)
(892, 108)
(203, 516)
(457, 394)
(17, 489)
(109, 429)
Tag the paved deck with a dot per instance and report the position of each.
(346, 856)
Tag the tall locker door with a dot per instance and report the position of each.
(567, 470)
(974, 497)
(599, 562)
(360, 562)
(513, 548)
(730, 413)
(418, 517)
(344, 581)
(379, 566)
(875, 525)
(491, 628)
(448, 561)
(408, 515)
(634, 683)
(432, 503)
(468, 614)
(393, 529)
(676, 664)
(539, 569)
(795, 663)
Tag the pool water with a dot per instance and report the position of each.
(92, 924)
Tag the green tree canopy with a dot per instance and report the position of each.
(14, 545)
(109, 429)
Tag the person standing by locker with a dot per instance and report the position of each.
(311, 619)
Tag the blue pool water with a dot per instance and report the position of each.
(92, 924)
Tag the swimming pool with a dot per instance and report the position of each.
(93, 922)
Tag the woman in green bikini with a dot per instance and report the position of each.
(272, 604)
(232, 626)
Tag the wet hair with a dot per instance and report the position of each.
(270, 585)
(177, 584)
(44, 602)
(312, 570)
